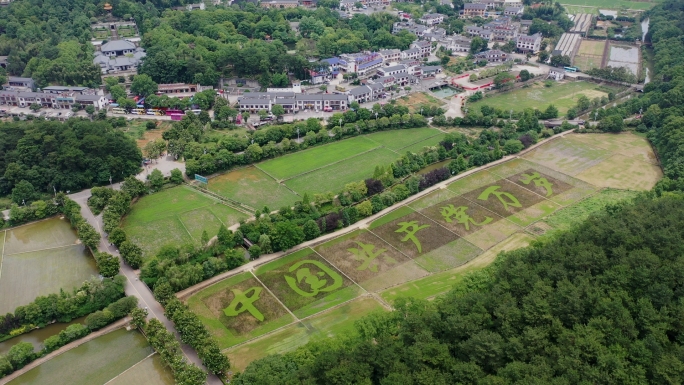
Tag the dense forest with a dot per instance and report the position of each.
(599, 304)
(37, 156)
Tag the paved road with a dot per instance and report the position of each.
(134, 286)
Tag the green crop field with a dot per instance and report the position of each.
(39, 259)
(335, 322)
(563, 96)
(253, 187)
(396, 140)
(612, 4)
(176, 216)
(420, 251)
(417, 147)
(334, 177)
(288, 166)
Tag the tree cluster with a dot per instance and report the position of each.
(599, 304)
(193, 333)
(91, 296)
(51, 156)
(169, 349)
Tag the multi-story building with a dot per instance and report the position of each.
(393, 70)
(56, 97)
(457, 43)
(20, 84)
(484, 33)
(529, 43)
(118, 56)
(431, 19)
(512, 3)
(375, 3)
(504, 32)
(474, 9)
(363, 64)
(412, 66)
(279, 4)
(291, 102)
(416, 29)
(513, 11)
(411, 53)
(491, 4)
(430, 71)
(390, 55)
(425, 47)
(493, 56)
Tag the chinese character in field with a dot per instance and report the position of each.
(411, 228)
(538, 181)
(243, 302)
(366, 255)
(449, 213)
(501, 195)
(317, 281)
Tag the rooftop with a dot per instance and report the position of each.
(117, 45)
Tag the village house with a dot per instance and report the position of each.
(474, 9)
(529, 43)
(431, 19)
(493, 56)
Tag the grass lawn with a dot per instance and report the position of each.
(620, 171)
(176, 216)
(334, 177)
(336, 322)
(416, 147)
(563, 96)
(439, 283)
(253, 187)
(567, 155)
(288, 166)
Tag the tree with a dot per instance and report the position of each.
(504, 80)
(286, 235)
(524, 75)
(156, 179)
(23, 193)
(176, 176)
(126, 104)
(117, 236)
(551, 112)
(90, 110)
(560, 61)
(35, 107)
(139, 318)
(612, 123)
(143, 85)
(254, 251)
(107, 264)
(278, 110)
(131, 254)
(311, 230)
(512, 146)
(477, 44)
(117, 92)
(20, 354)
(543, 56)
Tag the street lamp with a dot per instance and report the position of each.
(110, 181)
(340, 124)
(376, 115)
(595, 115)
(298, 135)
(510, 114)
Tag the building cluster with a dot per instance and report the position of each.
(504, 29)
(119, 56)
(22, 92)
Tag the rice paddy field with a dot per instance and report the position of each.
(562, 95)
(113, 358)
(176, 216)
(425, 246)
(284, 180)
(41, 258)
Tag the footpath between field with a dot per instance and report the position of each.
(364, 223)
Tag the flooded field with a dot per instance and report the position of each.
(39, 259)
(104, 360)
(624, 56)
(37, 336)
